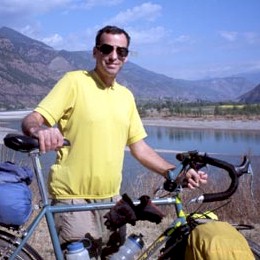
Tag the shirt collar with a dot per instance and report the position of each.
(100, 82)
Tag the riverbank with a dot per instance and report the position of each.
(178, 122)
(13, 115)
(205, 123)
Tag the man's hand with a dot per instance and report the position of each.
(35, 125)
(50, 139)
(196, 178)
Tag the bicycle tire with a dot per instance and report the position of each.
(255, 248)
(8, 245)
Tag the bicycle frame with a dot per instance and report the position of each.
(48, 210)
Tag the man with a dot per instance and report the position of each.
(99, 117)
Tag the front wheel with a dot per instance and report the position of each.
(8, 246)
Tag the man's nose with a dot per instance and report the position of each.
(113, 54)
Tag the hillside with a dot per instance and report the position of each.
(29, 69)
(252, 96)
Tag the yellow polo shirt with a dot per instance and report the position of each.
(99, 122)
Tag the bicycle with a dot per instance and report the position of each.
(13, 246)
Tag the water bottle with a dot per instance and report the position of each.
(132, 246)
(77, 251)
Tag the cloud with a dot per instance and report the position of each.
(183, 39)
(31, 31)
(241, 37)
(74, 41)
(229, 36)
(18, 13)
(88, 4)
(21, 15)
(146, 11)
(56, 40)
(218, 70)
(53, 40)
(251, 37)
(147, 36)
(28, 6)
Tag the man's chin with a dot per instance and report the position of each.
(112, 71)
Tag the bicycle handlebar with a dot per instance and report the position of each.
(209, 197)
(194, 159)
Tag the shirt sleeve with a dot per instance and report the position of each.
(59, 100)
(136, 129)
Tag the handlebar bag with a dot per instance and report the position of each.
(217, 240)
(15, 194)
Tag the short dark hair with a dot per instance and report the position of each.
(113, 30)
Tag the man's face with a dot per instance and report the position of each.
(111, 54)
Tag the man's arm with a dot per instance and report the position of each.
(149, 158)
(153, 161)
(35, 125)
(32, 123)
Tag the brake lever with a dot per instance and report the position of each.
(177, 177)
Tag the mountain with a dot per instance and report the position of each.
(253, 76)
(30, 68)
(252, 96)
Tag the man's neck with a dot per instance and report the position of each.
(107, 80)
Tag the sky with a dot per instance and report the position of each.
(184, 39)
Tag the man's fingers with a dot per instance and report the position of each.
(50, 139)
(193, 182)
(203, 177)
(195, 178)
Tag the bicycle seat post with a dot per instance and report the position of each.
(35, 154)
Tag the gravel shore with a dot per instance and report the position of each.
(200, 123)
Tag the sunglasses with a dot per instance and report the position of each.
(107, 49)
